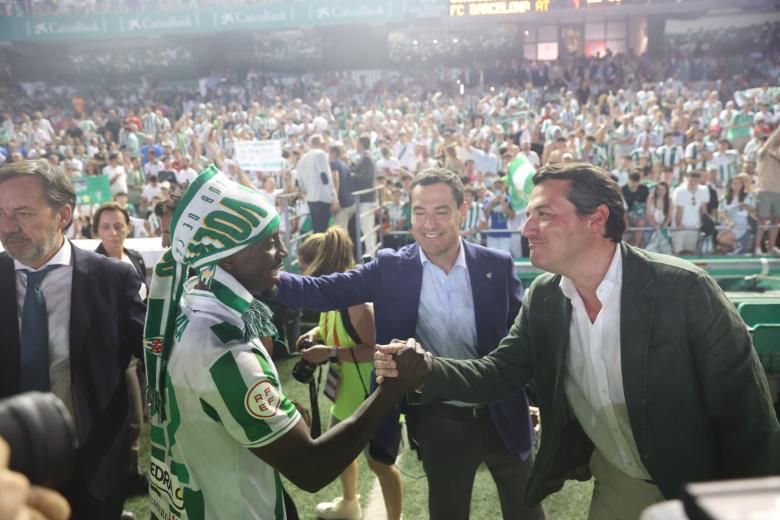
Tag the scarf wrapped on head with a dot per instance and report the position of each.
(215, 219)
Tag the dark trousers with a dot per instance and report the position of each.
(453, 448)
(84, 506)
(320, 216)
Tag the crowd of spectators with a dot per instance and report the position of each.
(130, 61)
(648, 121)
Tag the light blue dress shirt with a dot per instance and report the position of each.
(446, 325)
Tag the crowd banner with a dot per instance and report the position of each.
(265, 156)
(92, 190)
(272, 14)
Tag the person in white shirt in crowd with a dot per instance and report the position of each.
(405, 150)
(388, 164)
(530, 155)
(117, 176)
(485, 162)
(152, 190)
(74, 167)
(424, 159)
(316, 180)
(187, 173)
(269, 190)
(154, 165)
(690, 203)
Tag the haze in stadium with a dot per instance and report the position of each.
(441, 259)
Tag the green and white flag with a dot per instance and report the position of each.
(519, 178)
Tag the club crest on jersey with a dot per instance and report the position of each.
(262, 400)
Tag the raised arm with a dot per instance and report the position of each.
(325, 293)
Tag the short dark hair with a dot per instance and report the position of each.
(107, 206)
(440, 176)
(57, 186)
(589, 188)
(365, 142)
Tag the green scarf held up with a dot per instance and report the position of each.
(215, 219)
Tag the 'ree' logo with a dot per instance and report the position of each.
(262, 400)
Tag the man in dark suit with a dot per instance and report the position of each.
(70, 320)
(645, 373)
(459, 300)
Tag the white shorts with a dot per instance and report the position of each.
(685, 240)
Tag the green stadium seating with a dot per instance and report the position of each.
(754, 312)
(766, 341)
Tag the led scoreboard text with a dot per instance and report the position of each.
(493, 7)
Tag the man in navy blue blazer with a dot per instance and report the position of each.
(457, 299)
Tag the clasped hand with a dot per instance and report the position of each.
(402, 363)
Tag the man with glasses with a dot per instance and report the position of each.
(690, 202)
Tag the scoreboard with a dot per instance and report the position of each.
(462, 8)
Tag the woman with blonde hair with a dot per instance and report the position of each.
(347, 338)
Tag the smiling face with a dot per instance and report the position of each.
(257, 266)
(556, 235)
(436, 220)
(30, 229)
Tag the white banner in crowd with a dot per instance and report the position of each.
(260, 155)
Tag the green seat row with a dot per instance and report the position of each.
(766, 341)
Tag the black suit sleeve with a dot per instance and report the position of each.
(135, 313)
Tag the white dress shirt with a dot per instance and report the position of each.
(594, 384)
(56, 287)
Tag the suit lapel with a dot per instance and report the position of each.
(557, 316)
(410, 285)
(481, 312)
(636, 324)
(81, 301)
(9, 325)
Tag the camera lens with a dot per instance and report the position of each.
(40, 432)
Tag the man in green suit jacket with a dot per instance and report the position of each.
(645, 374)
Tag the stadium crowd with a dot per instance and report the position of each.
(707, 111)
(692, 138)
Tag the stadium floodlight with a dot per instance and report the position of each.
(435, 42)
(454, 40)
(415, 42)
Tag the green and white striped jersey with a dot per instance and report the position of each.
(728, 165)
(223, 397)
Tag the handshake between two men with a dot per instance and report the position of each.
(399, 357)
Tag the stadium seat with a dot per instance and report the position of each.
(754, 313)
(766, 341)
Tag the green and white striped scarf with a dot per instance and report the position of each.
(215, 219)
